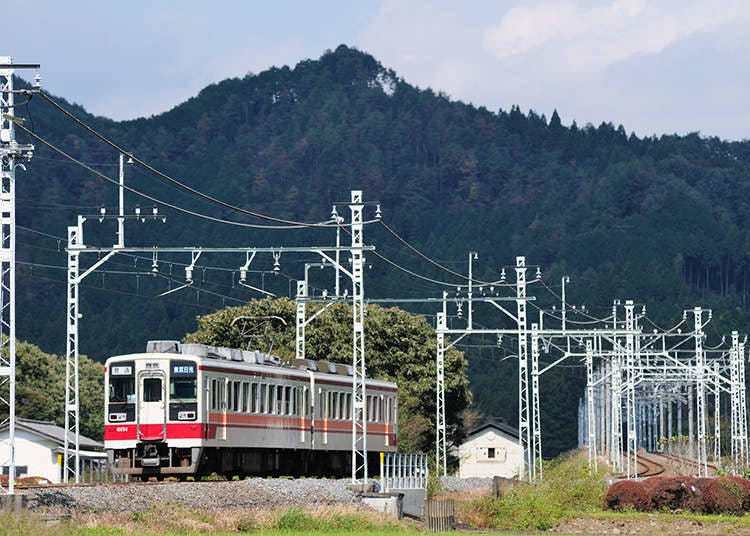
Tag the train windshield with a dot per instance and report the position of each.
(183, 389)
(121, 389)
(183, 382)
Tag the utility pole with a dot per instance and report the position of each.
(12, 156)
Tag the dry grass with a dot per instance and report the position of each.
(171, 518)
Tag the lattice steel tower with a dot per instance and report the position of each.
(12, 155)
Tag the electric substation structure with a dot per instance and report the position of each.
(12, 156)
(76, 247)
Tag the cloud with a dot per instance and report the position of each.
(580, 38)
(653, 66)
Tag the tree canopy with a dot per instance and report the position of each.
(40, 389)
(399, 347)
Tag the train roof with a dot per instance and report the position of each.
(238, 356)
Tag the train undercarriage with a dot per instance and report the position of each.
(157, 459)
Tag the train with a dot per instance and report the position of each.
(186, 410)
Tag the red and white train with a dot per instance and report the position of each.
(192, 410)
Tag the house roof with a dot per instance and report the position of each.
(49, 430)
(497, 424)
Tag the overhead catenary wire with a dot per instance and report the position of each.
(197, 288)
(176, 182)
(119, 292)
(434, 262)
(154, 199)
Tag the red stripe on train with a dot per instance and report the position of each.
(127, 432)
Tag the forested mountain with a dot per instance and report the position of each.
(659, 220)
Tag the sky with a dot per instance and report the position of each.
(654, 66)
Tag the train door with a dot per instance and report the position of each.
(151, 416)
(223, 392)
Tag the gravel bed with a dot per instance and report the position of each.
(250, 493)
(453, 483)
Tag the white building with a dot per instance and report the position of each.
(491, 449)
(40, 447)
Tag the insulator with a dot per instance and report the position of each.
(243, 274)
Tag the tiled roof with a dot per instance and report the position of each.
(49, 430)
(498, 424)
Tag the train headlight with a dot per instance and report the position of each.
(186, 416)
(118, 417)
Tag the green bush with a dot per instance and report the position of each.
(295, 519)
(568, 488)
(248, 524)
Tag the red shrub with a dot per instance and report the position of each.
(726, 495)
(627, 493)
(674, 493)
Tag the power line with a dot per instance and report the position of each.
(154, 199)
(174, 181)
(434, 262)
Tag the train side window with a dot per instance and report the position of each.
(214, 394)
(323, 404)
(237, 396)
(348, 414)
(272, 399)
(229, 396)
(245, 404)
(288, 408)
(263, 398)
(254, 397)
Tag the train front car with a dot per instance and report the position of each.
(152, 425)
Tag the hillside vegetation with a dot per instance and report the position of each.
(659, 220)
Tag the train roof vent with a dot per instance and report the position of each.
(267, 359)
(248, 356)
(221, 353)
(305, 364)
(235, 354)
(327, 366)
(200, 350)
(343, 369)
(163, 347)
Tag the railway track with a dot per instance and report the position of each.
(712, 469)
(648, 466)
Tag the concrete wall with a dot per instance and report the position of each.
(476, 455)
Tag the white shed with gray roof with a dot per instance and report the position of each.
(491, 449)
(39, 450)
